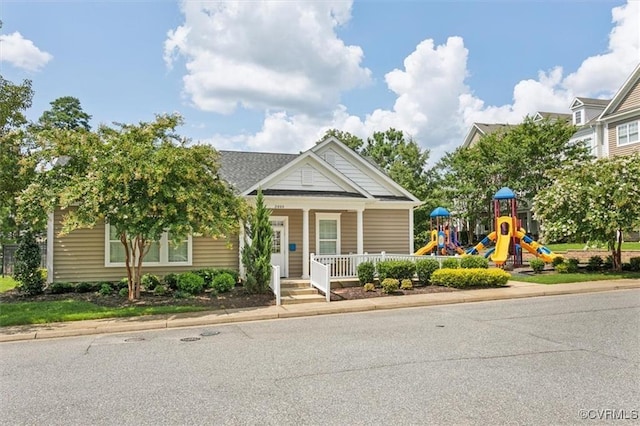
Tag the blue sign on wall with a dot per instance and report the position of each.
(292, 247)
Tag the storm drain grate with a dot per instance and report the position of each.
(135, 339)
(208, 333)
(189, 339)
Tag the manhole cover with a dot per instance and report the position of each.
(134, 339)
(189, 339)
(439, 325)
(208, 333)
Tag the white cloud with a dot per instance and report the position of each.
(265, 55)
(22, 53)
(433, 103)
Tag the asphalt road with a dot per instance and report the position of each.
(553, 360)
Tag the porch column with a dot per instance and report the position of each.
(305, 243)
(240, 248)
(411, 231)
(360, 232)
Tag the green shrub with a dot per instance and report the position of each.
(369, 287)
(123, 292)
(366, 272)
(61, 287)
(123, 283)
(189, 282)
(181, 294)
(473, 277)
(223, 283)
(27, 265)
(390, 285)
(85, 287)
(398, 269)
(150, 281)
(105, 289)
(171, 281)
(627, 267)
(558, 260)
(607, 265)
(634, 264)
(474, 262)
(562, 268)
(594, 263)
(406, 284)
(160, 290)
(572, 265)
(450, 263)
(537, 265)
(424, 269)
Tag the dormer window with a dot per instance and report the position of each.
(577, 117)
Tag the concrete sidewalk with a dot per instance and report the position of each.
(514, 290)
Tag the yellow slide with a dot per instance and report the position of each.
(534, 247)
(503, 240)
(426, 249)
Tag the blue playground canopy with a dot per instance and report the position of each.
(440, 212)
(504, 193)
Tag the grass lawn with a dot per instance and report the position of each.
(554, 278)
(7, 283)
(72, 310)
(562, 247)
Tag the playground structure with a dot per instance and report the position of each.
(509, 237)
(444, 238)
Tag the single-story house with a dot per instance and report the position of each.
(326, 200)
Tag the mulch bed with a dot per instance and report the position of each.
(237, 298)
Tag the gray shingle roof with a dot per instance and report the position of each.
(593, 101)
(488, 129)
(244, 169)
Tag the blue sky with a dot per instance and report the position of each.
(274, 75)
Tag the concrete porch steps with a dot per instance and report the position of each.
(299, 291)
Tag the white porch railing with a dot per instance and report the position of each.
(274, 283)
(320, 277)
(346, 265)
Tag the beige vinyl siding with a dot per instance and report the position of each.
(293, 181)
(386, 230)
(632, 100)
(79, 256)
(614, 149)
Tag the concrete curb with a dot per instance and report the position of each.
(515, 290)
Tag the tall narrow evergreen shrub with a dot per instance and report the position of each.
(27, 267)
(256, 255)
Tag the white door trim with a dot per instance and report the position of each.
(284, 271)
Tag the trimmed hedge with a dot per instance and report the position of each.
(190, 283)
(537, 265)
(424, 269)
(366, 272)
(468, 262)
(223, 283)
(450, 263)
(390, 285)
(472, 277)
(398, 269)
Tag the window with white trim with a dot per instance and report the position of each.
(577, 117)
(328, 233)
(161, 253)
(627, 133)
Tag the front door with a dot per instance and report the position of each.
(279, 245)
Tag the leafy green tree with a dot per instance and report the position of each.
(15, 175)
(256, 254)
(65, 113)
(352, 141)
(593, 201)
(27, 267)
(142, 180)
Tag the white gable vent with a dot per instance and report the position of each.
(307, 177)
(330, 157)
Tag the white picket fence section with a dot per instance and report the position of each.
(346, 265)
(274, 283)
(320, 277)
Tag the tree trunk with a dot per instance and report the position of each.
(138, 275)
(617, 251)
(127, 254)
